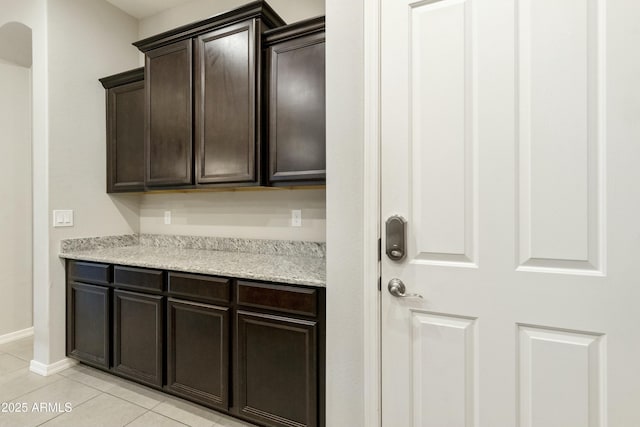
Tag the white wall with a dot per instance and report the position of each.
(260, 215)
(345, 214)
(289, 10)
(87, 39)
(15, 186)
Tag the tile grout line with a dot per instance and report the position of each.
(17, 369)
(13, 399)
(101, 392)
(162, 415)
(146, 412)
(216, 423)
(81, 403)
(133, 403)
(18, 357)
(113, 395)
(13, 371)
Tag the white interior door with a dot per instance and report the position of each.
(511, 144)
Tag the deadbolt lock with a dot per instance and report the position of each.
(396, 237)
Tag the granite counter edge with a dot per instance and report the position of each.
(209, 271)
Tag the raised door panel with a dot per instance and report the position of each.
(276, 370)
(198, 352)
(561, 377)
(168, 133)
(125, 138)
(88, 337)
(226, 87)
(138, 337)
(561, 117)
(297, 136)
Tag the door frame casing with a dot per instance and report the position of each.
(371, 220)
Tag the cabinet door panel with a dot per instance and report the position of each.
(88, 335)
(125, 138)
(169, 119)
(226, 104)
(198, 352)
(277, 369)
(138, 336)
(297, 110)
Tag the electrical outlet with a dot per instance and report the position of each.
(296, 218)
(63, 218)
(167, 217)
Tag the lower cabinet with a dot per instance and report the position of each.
(88, 314)
(198, 352)
(138, 325)
(277, 365)
(252, 350)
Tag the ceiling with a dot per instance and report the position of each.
(144, 8)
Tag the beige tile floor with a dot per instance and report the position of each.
(95, 398)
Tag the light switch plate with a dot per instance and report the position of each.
(63, 218)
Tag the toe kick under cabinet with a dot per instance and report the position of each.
(249, 349)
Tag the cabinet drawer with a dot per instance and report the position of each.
(89, 272)
(288, 299)
(214, 289)
(138, 278)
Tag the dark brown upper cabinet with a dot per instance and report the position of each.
(125, 131)
(295, 56)
(223, 78)
(168, 141)
(226, 138)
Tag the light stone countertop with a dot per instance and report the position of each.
(287, 268)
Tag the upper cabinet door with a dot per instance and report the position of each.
(296, 118)
(125, 138)
(125, 131)
(168, 133)
(227, 143)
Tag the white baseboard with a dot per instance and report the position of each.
(54, 368)
(13, 336)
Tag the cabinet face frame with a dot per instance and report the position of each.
(221, 400)
(113, 185)
(100, 361)
(186, 139)
(276, 176)
(202, 102)
(156, 378)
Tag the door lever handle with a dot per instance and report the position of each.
(398, 289)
